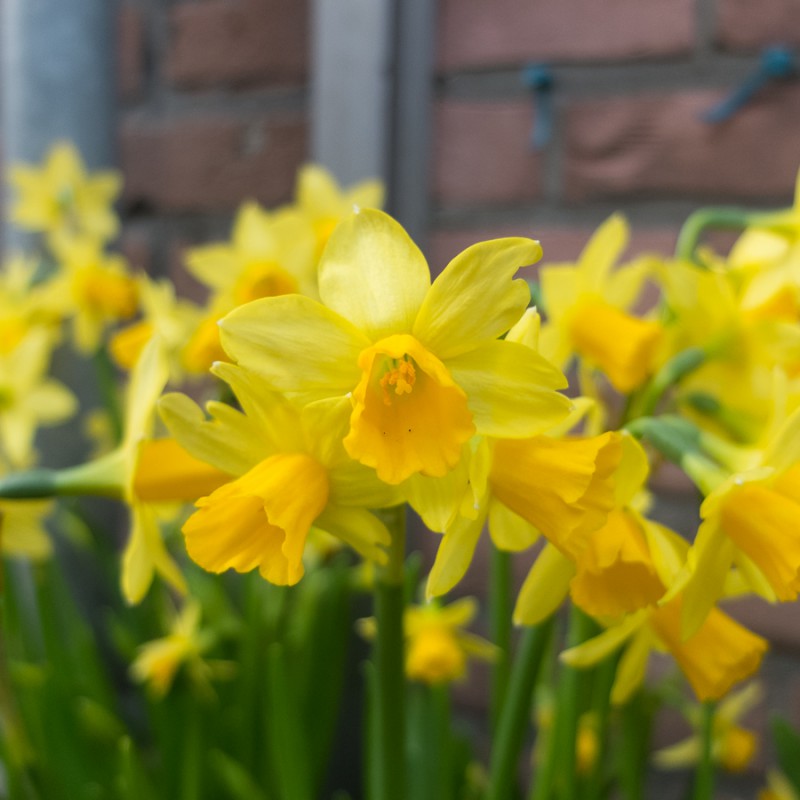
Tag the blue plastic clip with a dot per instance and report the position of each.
(540, 80)
(777, 63)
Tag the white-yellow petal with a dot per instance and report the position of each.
(373, 274)
(475, 300)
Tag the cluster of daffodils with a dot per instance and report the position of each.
(347, 382)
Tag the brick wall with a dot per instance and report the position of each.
(214, 111)
(632, 78)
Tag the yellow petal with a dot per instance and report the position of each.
(229, 441)
(147, 381)
(709, 561)
(508, 530)
(260, 520)
(601, 253)
(373, 274)
(408, 414)
(616, 573)
(474, 300)
(545, 587)
(298, 345)
(562, 487)
(721, 653)
(624, 347)
(765, 525)
(165, 472)
(602, 645)
(145, 554)
(454, 555)
(631, 668)
(510, 389)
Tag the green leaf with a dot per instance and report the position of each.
(787, 746)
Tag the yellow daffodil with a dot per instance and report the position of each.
(61, 199)
(743, 342)
(171, 319)
(149, 474)
(732, 746)
(159, 661)
(28, 398)
(621, 565)
(289, 473)
(588, 309)
(269, 254)
(437, 647)
(94, 288)
(417, 367)
(325, 204)
(721, 654)
(750, 520)
(23, 304)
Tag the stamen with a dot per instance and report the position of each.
(402, 377)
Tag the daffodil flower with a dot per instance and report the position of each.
(61, 199)
(28, 398)
(94, 288)
(321, 200)
(751, 520)
(269, 254)
(624, 564)
(719, 655)
(437, 647)
(171, 319)
(158, 661)
(416, 366)
(588, 311)
(289, 473)
(733, 747)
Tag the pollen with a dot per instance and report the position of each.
(402, 377)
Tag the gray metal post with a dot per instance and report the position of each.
(58, 80)
(409, 173)
(351, 87)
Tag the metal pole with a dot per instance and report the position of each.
(58, 81)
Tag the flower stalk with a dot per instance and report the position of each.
(389, 658)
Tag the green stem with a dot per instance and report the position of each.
(670, 374)
(20, 756)
(704, 776)
(500, 611)
(637, 720)
(389, 657)
(515, 716)
(718, 218)
(601, 702)
(559, 770)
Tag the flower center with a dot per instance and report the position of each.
(401, 377)
(263, 279)
(408, 414)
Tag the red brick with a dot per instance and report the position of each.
(743, 24)
(130, 52)
(211, 163)
(238, 42)
(482, 154)
(480, 33)
(657, 146)
(559, 244)
(136, 244)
